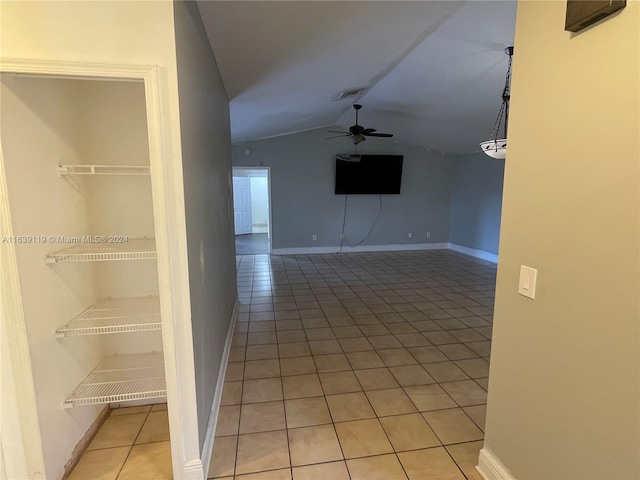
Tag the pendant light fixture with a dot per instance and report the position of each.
(494, 147)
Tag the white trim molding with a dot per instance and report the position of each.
(490, 257)
(207, 448)
(74, 70)
(491, 468)
(193, 470)
(361, 248)
(20, 438)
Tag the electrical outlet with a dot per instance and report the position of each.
(428, 234)
(315, 237)
(410, 234)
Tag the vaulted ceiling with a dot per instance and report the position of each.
(432, 71)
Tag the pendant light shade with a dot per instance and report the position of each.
(494, 147)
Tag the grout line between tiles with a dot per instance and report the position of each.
(132, 445)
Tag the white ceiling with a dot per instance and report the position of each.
(433, 70)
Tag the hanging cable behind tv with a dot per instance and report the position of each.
(343, 239)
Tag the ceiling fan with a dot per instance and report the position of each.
(358, 132)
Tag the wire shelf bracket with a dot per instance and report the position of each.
(122, 378)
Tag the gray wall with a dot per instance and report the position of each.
(564, 386)
(303, 202)
(476, 201)
(206, 156)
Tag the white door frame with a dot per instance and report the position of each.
(20, 439)
(268, 171)
(173, 277)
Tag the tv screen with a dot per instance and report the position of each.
(368, 174)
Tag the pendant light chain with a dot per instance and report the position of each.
(496, 125)
(504, 108)
(495, 147)
(506, 94)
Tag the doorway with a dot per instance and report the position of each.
(252, 210)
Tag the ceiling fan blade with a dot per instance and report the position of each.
(367, 131)
(336, 136)
(337, 131)
(378, 134)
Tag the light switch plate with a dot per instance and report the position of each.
(527, 284)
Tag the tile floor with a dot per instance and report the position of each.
(132, 444)
(357, 366)
(351, 366)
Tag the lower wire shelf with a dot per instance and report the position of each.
(121, 378)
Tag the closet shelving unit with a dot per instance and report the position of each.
(117, 378)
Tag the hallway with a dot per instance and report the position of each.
(252, 244)
(357, 366)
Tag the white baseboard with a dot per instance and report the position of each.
(207, 447)
(491, 468)
(490, 257)
(304, 250)
(474, 253)
(361, 248)
(193, 470)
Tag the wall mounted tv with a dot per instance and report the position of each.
(368, 174)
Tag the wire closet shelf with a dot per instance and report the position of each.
(115, 315)
(103, 170)
(121, 378)
(134, 249)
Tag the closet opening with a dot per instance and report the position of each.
(79, 224)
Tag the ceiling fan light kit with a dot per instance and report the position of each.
(357, 138)
(497, 148)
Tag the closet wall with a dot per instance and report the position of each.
(40, 206)
(115, 133)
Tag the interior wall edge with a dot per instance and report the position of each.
(207, 449)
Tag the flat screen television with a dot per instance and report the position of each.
(368, 174)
